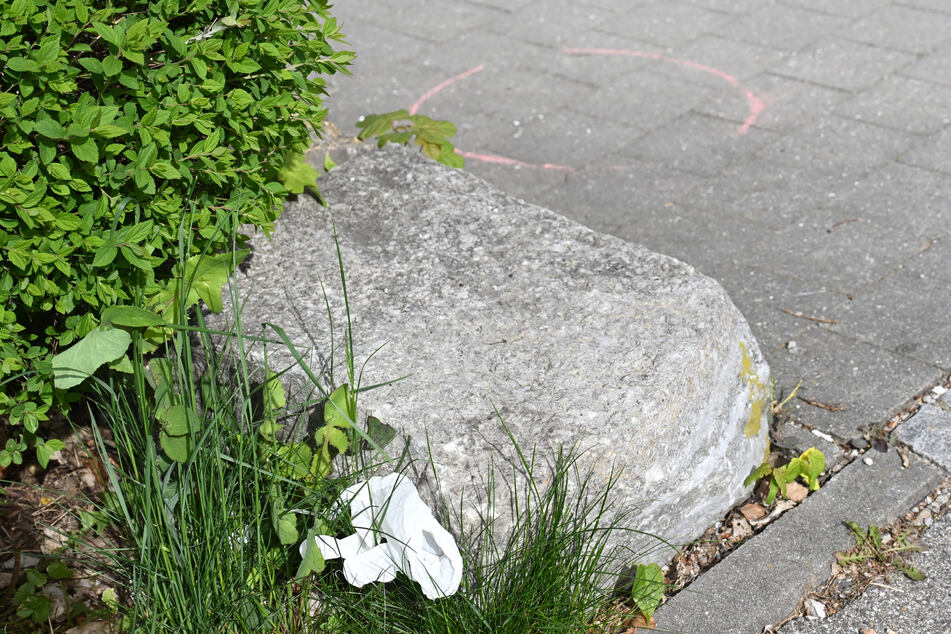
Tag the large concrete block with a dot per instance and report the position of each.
(487, 302)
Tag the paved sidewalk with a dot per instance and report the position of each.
(798, 151)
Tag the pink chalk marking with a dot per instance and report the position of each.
(754, 105)
(505, 160)
(431, 92)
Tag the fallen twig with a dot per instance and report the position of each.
(821, 405)
(801, 316)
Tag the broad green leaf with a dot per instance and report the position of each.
(814, 463)
(297, 175)
(6, 99)
(58, 570)
(328, 162)
(207, 275)
(22, 64)
(274, 397)
(131, 316)
(647, 590)
(332, 437)
(283, 521)
(379, 432)
(338, 408)
(86, 150)
(102, 345)
(109, 131)
(164, 169)
(105, 255)
(50, 129)
(312, 561)
(108, 33)
(59, 171)
(176, 436)
(111, 65)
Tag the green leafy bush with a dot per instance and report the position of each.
(135, 136)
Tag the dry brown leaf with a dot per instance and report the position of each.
(796, 492)
(639, 624)
(867, 630)
(753, 511)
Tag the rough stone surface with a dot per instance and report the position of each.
(761, 583)
(577, 338)
(929, 431)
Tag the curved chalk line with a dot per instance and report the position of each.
(755, 105)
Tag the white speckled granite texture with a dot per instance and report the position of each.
(577, 338)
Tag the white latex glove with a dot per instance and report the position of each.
(395, 531)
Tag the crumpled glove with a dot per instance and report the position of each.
(395, 532)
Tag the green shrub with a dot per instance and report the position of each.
(135, 135)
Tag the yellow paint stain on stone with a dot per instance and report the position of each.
(757, 393)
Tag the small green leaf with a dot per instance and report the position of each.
(50, 129)
(379, 432)
(913, 573)
(339, 410)
(297, 175)
(283, 521)
(648, 589)
(328, 162)
(164, 169)
(58, 570)
(131, 316)
(86, 150)
(312, 561)
(111, 65)
(75, 364)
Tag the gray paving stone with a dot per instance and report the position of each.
(647, 98)
(696, 143)
(908, 607)
(546, 134)
(931, 152)
(873, 384)
(741, 60)
(664, 23)
(850, 8)
(552, 23)
(766, 195)
(934, 260)
(843, 64)
(436, 21)
(624, 197)
(837, 146)
(788, 103)
(762, 581)
(929, 431)
(832, 249)
(500, 95)
(877, 318)
(901, 28)
(762, 295)
(935, 5)
(734, 7)
(935, 67)
(903, 103)
(780, 26)
(909, 199)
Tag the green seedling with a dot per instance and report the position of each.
(807, 466)
(402, 127)
(869, 545)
